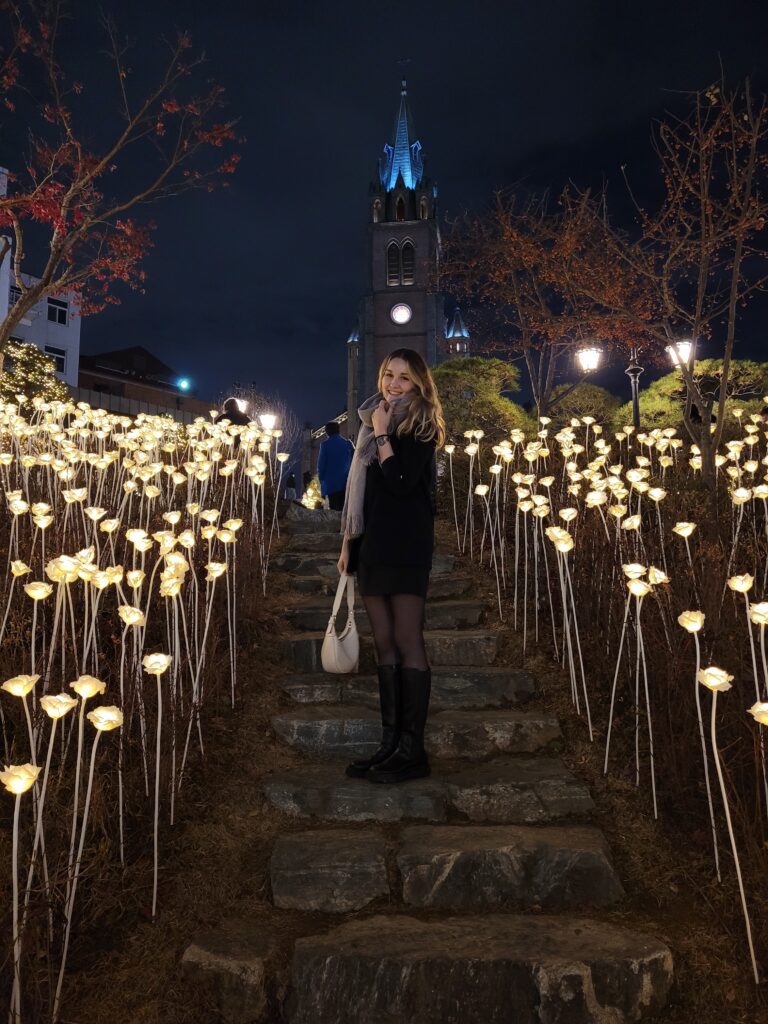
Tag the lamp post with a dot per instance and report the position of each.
(589, 359)
(633, 371)
(680, 352)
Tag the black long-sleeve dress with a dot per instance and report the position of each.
(394, 553)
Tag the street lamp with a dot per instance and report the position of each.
(680, 352)
(242, 405)
(267, 420)
(633, 371)
(589, 359)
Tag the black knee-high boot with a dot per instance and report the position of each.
(390, 700)
(409, 761)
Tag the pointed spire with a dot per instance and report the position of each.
(457, 328)
(457, 335)
(403, 158)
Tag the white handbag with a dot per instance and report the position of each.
(340, 653)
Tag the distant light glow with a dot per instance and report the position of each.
(184, 384)
(242, 405)
(267, 420)
(589, 359)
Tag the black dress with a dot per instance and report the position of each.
(394, 553)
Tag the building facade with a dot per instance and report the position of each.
(133, 380)
(402, 307)
(53, 325)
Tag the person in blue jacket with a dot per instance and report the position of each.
(333, 466)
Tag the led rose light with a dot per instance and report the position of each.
(759, 712)
(156, 665)
(693, 622)
(718, 680)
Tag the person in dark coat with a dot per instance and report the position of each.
(388, 527)
(231, 411)
(333, 466)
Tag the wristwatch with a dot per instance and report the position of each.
(382, 439)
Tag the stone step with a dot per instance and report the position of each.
(328, 542)
(444, 647)
(331, 871)
(477, 867)
(450, 867)
(332, 731)
(494, 969)
(520, 791)
(452, 688)
(439, 615)
(306, 563)
(305, 520)
(228, 965)
(451, 587)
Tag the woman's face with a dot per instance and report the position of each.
(396, 380)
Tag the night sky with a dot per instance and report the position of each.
(262, 282)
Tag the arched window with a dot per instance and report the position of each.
(376, 211)
(400, 209)
(408, 263)
(423, 208)
(393, 264)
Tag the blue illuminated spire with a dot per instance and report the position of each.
(403, 159)
(457, 328)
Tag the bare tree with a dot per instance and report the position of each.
(702, 255)
(76, 200)
(528, 271)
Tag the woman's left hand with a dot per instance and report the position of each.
(381, 418)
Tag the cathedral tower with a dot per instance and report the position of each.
(400, 310)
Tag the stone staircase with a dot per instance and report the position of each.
(468, 890)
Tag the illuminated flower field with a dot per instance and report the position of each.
(126, 544)
(651, 592)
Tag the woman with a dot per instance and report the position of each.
(388, 527)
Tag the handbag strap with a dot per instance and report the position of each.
(346, 583)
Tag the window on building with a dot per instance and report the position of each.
(376, 211)
(423, 208)
(393, 264)
(59, 357)
(408, 262)
(57, 311)
(14, 295)
(400, 209)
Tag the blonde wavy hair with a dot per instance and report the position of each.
(425, 413)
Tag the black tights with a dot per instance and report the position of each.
(397, 621)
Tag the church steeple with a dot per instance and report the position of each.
(402, 159)
(457, 336)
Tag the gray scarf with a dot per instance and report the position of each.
(352, 521)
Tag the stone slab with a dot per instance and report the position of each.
(497, 969)
(229, 963)
(452, 688)
(481, 867)
(314, 615)
(339, 731)
(444, 648)
(334, 872)
(519, 791)
(440, 586)
(305, 563)
(522, 791)
(325, 541)
(306, 520)
(323, 791)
